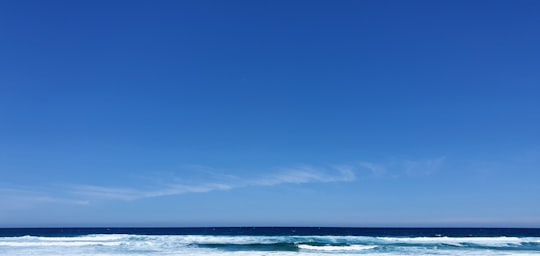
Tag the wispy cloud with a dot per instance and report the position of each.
(216, 180)
(404, 167)
(299, 175)
(23, 198)
(128, 194)
(423, 167)
(375, 169)
(307, 174)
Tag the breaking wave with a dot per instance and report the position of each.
(118, 244)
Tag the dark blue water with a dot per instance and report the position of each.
(279, 231)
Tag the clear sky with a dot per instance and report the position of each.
(239, 113)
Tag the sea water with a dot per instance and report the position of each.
(268, 241)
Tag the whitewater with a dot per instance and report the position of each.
(136, 244)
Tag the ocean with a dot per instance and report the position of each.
(271, 241)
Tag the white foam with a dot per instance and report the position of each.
(90, 240)
(55, 244)
(86, 238)
(174, 245)
(202, 239)
(459, 241)
(355, 247)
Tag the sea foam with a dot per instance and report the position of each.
(232, 245)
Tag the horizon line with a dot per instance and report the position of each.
(270, 226)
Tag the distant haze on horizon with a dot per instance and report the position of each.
(269, 113)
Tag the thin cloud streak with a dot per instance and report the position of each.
(375, 169)
(403, 168)
(83, 194)
(16, 198)
(300, 175)
(423, 167)
(128, 194)
(307, 175)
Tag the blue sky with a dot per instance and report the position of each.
(292, 113)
